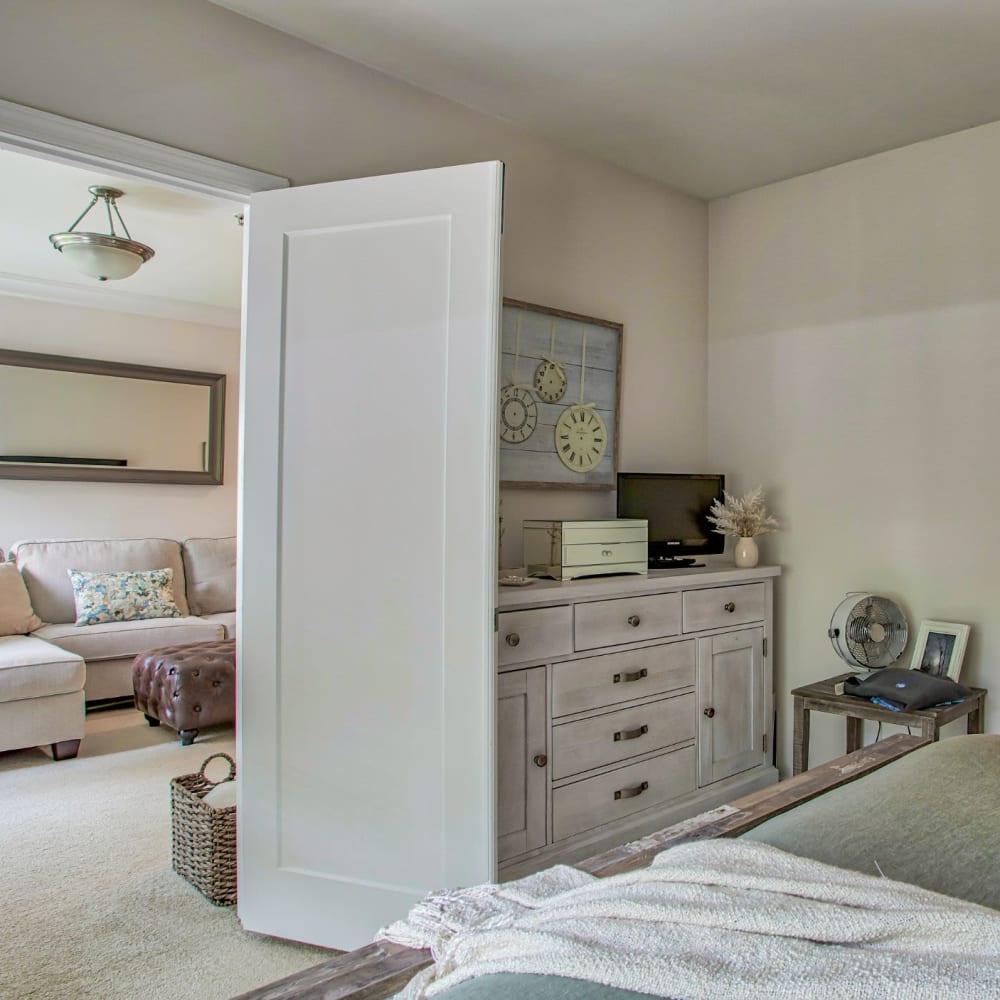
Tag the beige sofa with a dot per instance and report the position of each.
(46, 676)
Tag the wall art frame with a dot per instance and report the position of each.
(560, 398)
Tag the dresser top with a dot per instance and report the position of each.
(714, 574)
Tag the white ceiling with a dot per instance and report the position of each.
(708, 96)
(195, 274)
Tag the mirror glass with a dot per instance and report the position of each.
(74, 418)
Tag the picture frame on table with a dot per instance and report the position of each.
(560, 399)
(940, 648)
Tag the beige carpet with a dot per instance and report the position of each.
(90, 905)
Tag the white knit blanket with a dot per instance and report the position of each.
(714, 919)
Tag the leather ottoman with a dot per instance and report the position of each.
(189, 687)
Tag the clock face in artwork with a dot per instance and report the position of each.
(550, 381)
(518, 414)
(581, 438)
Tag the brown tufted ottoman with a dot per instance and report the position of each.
(188, 687)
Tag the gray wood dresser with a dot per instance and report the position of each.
(628, 703)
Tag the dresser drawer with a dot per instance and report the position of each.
(596, 681)
(628, 619)
(534, 634)
(607, 797)
(605, 553)
(717, 607)
(615, 736)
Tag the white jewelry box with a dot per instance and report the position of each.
(565, 550)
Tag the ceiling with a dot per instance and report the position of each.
(708, 96)
(196, 274)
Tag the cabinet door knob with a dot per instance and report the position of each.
(730, 607)
(710, 713)
(629, 677)
(512, 639)
(540, 760)
(631, 793)
(634, 620)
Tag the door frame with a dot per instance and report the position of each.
(39, 133)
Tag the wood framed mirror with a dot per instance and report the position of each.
(66, 418)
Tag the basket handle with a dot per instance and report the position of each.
(208, 760)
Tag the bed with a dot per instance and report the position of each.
(919, 813)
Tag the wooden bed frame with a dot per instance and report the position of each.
(378, 970)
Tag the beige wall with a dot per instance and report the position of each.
(579, 235)
(38, 509)
(854, 357)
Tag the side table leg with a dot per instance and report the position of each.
(800, 738)
(929, 729)
(853, 734)
(974, 720)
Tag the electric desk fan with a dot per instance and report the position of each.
(868, 631)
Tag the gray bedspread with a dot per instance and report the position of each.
(931, 819)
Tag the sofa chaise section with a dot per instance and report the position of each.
(41, 696)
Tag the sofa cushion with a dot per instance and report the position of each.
(227, 619)
(210, 570)
(117, 639)
(16, 614)
(32, 668)
(44, 566)
(122, 597)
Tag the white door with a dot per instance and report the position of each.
(368, 549)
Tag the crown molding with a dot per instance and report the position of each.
(40, 133)
(116, 300)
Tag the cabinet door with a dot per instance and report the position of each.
(730, 704)
(522, 765)
(367, 550)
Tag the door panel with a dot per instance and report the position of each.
(367, 559)
(730, 703)
(521, 772)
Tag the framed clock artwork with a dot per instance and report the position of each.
(571, 405)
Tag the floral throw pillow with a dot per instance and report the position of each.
(123, 597)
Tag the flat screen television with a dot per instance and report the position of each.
(676, 507)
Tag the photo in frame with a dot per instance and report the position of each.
(940, 648)
(559, 407)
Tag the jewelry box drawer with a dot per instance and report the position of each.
(607, 797)
(606, 739)
(605, 553)
(596, 681)
(534, 634)
(628, 619)
(717, 607)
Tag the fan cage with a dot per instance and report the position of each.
(873, 632)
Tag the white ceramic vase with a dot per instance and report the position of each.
(745, 553)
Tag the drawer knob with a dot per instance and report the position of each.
(631, 734)
(607, 553)
(631, 793)
(730, 607)
(540, 760)
(512, 639)
(634, 620)
(629, 677)
(710, 713)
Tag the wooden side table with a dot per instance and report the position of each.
(820, 697)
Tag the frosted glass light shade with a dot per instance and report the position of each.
(106, 258)
(103, 263)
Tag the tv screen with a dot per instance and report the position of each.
(676, 507)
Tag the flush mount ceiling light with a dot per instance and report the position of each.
(102, 255)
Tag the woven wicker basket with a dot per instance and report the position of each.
(204, 839)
